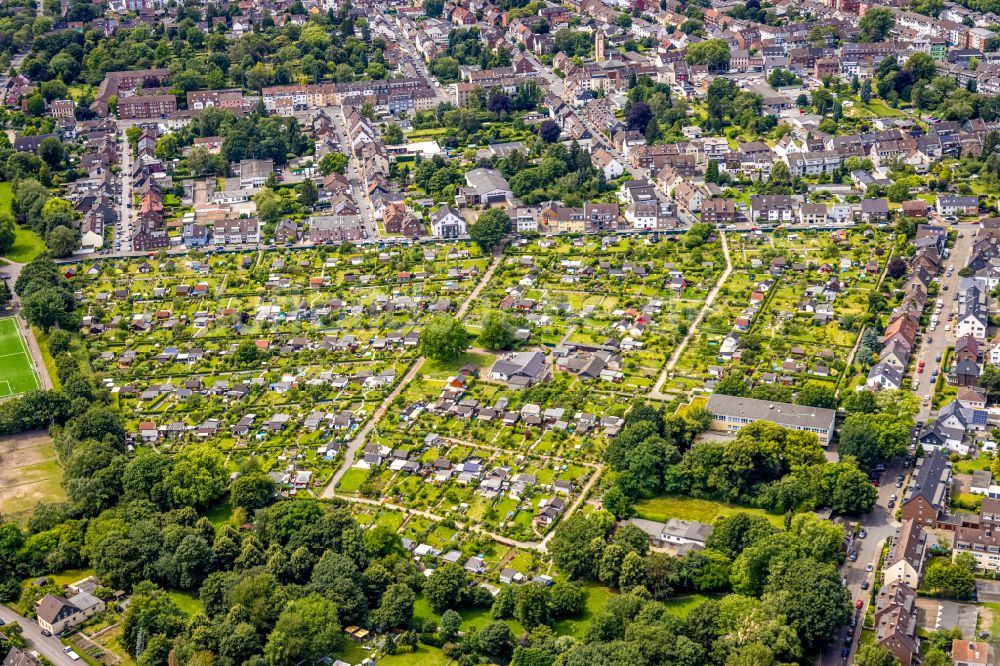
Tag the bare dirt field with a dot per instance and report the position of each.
(29, 474)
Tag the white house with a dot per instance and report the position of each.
(884, 375)
(447, 222)
(607, 163)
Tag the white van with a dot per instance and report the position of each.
(71, 654)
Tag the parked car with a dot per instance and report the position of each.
(862, 534)
(864, 585)
(869, 568)
(858, 604)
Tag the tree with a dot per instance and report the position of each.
(56, 213)
(197, 477)
(896, 268)
(51, 151)
(712, 52)
(445, 589)
(268, 206)
(451, 620)
(810, 595)
(252, 491)
(150, 612)
(875, 655)
(393, 135)
(497, 331)
(876, 25)
(866, 91)
(308, 193)
(396, 609)
(566, 600)
(733, 534)
(873, 438)
(333, 162)
(491, 227)
(949, 579)
(443, 338)
(307, 630)
(638, 116)
(46, 307)
(499, 104)
(62, 241)
(712, 172)
(844, 488)
(8, 232)
(549, 131)
(816, 395)
(5, 295)
(35, 105)
(531, 607)
(780, 78)
(733, 384)
(495, 640)
(570, 546)
(433, 8)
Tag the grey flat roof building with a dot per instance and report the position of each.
(732, 413)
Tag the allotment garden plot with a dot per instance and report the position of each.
(792, 308)
(278, 355)
(633, 297)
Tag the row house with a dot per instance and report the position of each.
(814, 163)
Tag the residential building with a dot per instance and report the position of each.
(58, 614)
(970, 653)
(146, 106)
(929, 495)
(905, 561)
(447, 222)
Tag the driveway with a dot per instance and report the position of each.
(49, 647)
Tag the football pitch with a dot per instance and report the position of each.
(17, 373)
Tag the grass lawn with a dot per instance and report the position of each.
(970, 466)
(42, 338)
(186, 601)
(706, 511)
(472, 618)
(351, 652)
(424, 656)
(69, 576)
(597, 596)
(220, 514)
(433, 367)
(352, 480)
(682, 606)
(27, 245)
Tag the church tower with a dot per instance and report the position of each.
(599, 46)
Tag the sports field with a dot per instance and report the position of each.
(17, 374)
